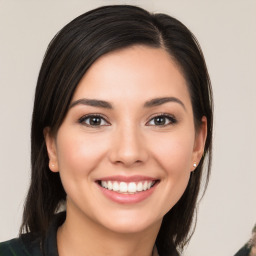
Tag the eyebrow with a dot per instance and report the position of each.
(92, 102)
(104, 104)
(160, 101)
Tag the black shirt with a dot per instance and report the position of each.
(29, 245)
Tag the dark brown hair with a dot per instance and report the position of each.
(69, 55)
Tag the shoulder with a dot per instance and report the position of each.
(33, 245)
(25, 245)
(11, 247)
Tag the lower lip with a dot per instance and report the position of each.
(127, 198)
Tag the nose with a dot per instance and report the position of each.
(128, 147)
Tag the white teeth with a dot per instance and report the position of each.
(123, 187)
(145, 186)
(132, 187)
(104, 184)
(115, 186)
(139, 186)
(110, 185)
(127, 187)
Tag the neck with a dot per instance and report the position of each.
(80, 235)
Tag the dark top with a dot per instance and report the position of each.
(30, 245)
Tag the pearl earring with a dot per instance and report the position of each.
(194, 165)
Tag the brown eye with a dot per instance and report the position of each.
(93, 121)
(162, 120)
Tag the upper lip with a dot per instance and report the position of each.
(134, 178)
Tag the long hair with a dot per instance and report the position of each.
(69, 55)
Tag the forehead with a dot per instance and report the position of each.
(134, 73)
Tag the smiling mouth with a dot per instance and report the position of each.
(127, 187)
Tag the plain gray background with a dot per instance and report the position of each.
(226, 30)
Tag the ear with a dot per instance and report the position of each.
(200, 138)
(51, 149)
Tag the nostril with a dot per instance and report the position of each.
(128, 162)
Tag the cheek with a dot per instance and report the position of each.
(174, 152)
(78, 158)
(78, 154)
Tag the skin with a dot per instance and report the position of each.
(127, 142)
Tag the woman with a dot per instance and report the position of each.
(121, 130)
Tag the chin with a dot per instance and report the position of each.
(130, 223)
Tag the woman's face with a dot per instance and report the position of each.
(126, 148)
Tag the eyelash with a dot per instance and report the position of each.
(89, 116)
(171, 120)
